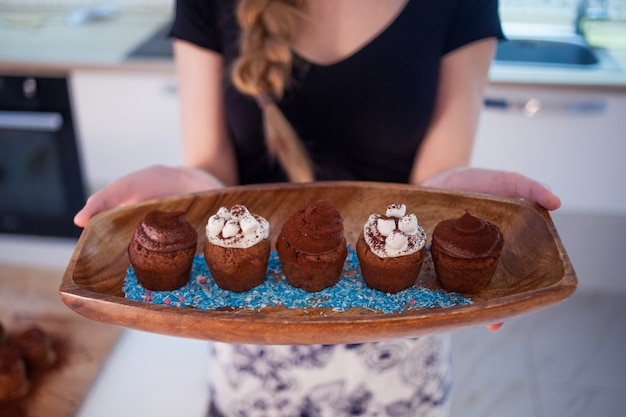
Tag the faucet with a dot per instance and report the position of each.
(590, 9)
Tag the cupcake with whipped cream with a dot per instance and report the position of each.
(237, 248)
(391, 249)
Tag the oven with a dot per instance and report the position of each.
(41, 180)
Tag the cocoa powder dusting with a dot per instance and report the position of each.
(164, 231)
(377, 241)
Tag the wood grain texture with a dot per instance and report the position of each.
(29, 297)
(535, 271)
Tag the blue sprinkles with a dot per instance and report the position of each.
(350, 292)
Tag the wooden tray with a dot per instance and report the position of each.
(534, 272)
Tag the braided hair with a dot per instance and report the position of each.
(263, 70)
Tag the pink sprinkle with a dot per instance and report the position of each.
(181, 298)
(201, 280)
(166, 300)
(412, 301)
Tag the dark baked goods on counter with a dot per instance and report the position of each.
(14, 381)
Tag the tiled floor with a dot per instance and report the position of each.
(565, 361)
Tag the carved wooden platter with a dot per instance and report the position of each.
(534, 271)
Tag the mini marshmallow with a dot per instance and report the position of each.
(396, 210)
(397, 240)
(238, 211)
(385, 226)
(408, 224)
(224, 213)
(231, 228)
(215, 225)
(248, 224)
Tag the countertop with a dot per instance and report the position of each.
(43, 41)
(36, 41)
(144, 374)
(537, 75)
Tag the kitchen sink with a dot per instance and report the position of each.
(157, 45)
(534, 45)
(550, 52)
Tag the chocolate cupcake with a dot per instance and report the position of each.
(237, 249)
(466, 252)
(312, 247)
(14, 381)
(35, 347)
(3, 335)
(162, 250)
(391, 250)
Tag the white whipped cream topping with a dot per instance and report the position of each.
(394, 234)
(236, 228)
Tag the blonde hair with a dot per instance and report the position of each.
(263, 70)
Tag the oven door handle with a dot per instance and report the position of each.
(39, 121)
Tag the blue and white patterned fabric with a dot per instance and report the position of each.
(395, 378)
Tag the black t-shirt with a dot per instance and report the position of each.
(362, 118)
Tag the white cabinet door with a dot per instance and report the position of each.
(572, 139)
(126, 120)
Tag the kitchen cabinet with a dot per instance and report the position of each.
(569, 138)
(573, 140)
(127, 119)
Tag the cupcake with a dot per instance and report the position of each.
(35, 347)
(391, 250)
(237, 249)
(312, 247)
(14, 381)
(466, 252)
(3, 335)
(162, 249)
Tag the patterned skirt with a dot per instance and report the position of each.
(394, 378)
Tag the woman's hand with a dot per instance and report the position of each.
(500, 183)
(153, 182)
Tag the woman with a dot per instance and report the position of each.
(277, 90)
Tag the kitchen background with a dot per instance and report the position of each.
(510, 9)
(561, 123)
